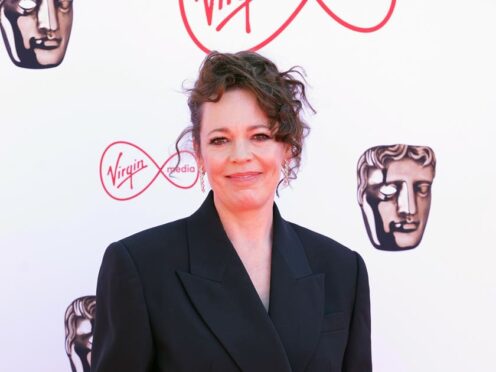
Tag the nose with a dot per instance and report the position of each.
(406, 200)
(241, 151)
(47, 16)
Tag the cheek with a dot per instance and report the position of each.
(65, 24)
(273, 172)
(423, 205)
(275, 166)
(28, 29)
(272, 157)
(213, 163)
(387, 211)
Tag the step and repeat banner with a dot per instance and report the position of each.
(399, 164)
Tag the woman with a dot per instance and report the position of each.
(234, 287)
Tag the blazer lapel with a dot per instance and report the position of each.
(296, 296)
(220, 289)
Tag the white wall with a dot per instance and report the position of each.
(426, 78)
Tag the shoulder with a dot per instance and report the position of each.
(321, 244)
(326, 254)
(171, 232)
(162, 244)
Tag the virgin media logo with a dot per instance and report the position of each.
(215, 24)
(127, 171)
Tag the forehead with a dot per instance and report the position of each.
(16, 2)
(237, 109)
(12, 5)
(408, 170)
(9, 4)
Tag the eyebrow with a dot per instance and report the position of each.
(250, 128)
(414, 181)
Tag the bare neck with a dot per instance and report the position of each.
(248, 229)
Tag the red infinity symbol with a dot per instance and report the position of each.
(342, 22)
(231, 10)
(127, 171)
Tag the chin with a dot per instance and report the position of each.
(243, 200)
(407, 242)
(47, 60)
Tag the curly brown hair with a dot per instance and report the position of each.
(281, 95)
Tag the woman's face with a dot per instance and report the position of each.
(36, 31)
(237, 150)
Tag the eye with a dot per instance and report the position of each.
(217, 141)
(27, 6)
(64, 5)
(388, 191)
(423, 189)
(261, 137)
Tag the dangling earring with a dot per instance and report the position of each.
(202, 179)
(285, 173)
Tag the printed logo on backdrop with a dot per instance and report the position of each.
(36, 32)
(394, 193)
(247, 24)
(127, 171)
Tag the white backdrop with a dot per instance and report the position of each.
(426, 78)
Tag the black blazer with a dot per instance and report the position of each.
(178, 298)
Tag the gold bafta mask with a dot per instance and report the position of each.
(36, 32)
(394, 193)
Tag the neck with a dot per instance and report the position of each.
(247, 228)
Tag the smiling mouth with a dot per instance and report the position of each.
(404, 226)
(45, 43)
(244, 176)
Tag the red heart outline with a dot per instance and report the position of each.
(342, 22)
(254, 48)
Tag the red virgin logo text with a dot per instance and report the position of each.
(127, 171)
(215, 24)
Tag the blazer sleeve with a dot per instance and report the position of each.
(122, 337)
(358, 354)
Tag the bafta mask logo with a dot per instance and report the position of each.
(36, 32)
(394, 192)
(79, 321)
